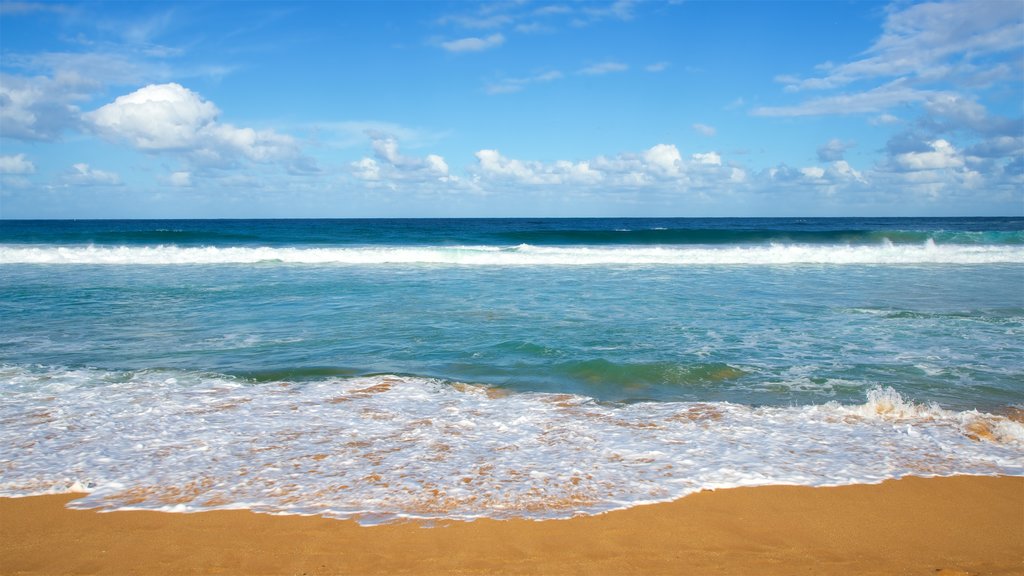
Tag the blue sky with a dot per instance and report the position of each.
(399, 109)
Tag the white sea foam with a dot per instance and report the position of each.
(522, 255)
(386, 447)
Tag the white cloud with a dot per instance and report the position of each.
(474, 44)
(657, 67)
(156, 117)
(604, 68)
(390, 166)
(37, 108)
(708, 158)
(661, 165)
(493, 165)
(81, 174)
(180, 179)
(172, 118)
(664, 158)
(813, 172)
(16, 164)
(841, 170)
(830, 178)
(437, 165)
(366, 169)
(704, 129)
(942, 155)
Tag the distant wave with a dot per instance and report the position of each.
(523, 255)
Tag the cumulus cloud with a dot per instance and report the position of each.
(156, 117)
(936, 170)
(841, 170)
(172, 118)
(81, 174)
(708, 158)
(941, 155)
(474, 44)
(390, 166)
(664, 159)
(493, 165)
(831, 177)
(16, 164)
(661, 166)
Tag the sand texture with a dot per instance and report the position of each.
(938, 526)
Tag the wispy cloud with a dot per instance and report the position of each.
(508, 85)
(704, 129)
(875, 100)
(352, 133)
(925, 49)
(833, 150)
(81, 174)
(604, 68)
(474, 44)
(14, 8)
(526, 18)
(657, 67)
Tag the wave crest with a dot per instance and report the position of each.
(521, 255)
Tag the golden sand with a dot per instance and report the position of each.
(935, 527)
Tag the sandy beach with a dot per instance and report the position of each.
(958, 525)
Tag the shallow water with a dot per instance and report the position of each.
(451, 368)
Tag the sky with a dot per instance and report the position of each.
(511, 109)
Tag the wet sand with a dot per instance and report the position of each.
(939, 526)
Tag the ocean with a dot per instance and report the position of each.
(469, 368)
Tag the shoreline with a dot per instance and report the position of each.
(950, 526)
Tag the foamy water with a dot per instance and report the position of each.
(522, 255)
(380, 448)
(460, 369)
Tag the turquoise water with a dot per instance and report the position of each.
(895, 339)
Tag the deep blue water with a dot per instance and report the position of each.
(551, 231)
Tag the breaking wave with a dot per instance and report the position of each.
(522, 255)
